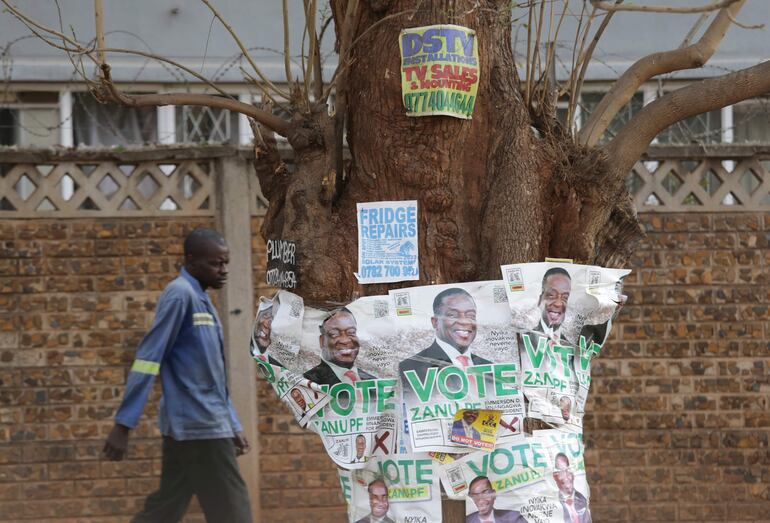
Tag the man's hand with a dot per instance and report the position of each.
(117, 443)
(241, 444)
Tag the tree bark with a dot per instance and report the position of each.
(491, 190)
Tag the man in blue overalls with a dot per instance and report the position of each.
(201, 432)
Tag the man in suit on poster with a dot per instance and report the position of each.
(339, 349)
(574, 504)
(454, 321)
(556, 288)
(463, 427)
(483, 495)
(378, 503)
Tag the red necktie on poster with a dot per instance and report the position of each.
(465, 361)
(572, 512)
(353, 377)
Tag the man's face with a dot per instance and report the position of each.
(378, 499)
(553, 300)
(339, 342)
(360, 446)
(456, 324)
(564, 405)
(298, 399)
(209, 266)
(483, 495)
(264, 324)
(563, 476)
(469, 416)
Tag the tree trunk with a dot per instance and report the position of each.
(507, 186)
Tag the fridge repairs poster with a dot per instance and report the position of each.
(387, 242)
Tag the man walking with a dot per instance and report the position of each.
(201, 431)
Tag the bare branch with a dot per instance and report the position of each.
(242, 48)
(605, 6)
(697, 98)
(286, 51)
(99, 22)
(533, 69)
(745, 26)
(576, 53)
(529, 55)
(585, 59)
(30, 23)
(159, 58)
(342, 64)
(551, 52)
(652, 65)
(112, 93)
(694, 29)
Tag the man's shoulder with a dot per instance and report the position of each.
(321, 373)
(580, 498)
(508, 516)
(365, 375)
(478, 360)
(178, 288)
(433, 356)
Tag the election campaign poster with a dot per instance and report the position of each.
(476, 428)
(387, 242)
(439, 70)
(534, 479)
(456, 350)
(344, 351)
(277, 329)
(563, 313)
(304, 398)
(401, 489)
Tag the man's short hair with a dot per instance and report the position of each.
(477, 479)
(378, 480)
(332, 314)
(198, 239)
(560, 455)
(445, 294)
(555, 270)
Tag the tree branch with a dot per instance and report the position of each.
(598, 4)
(697, 98)
(653, 65)
(99, 22)
(243, 50)
(286, 52)
(585, 59)
(110, 92)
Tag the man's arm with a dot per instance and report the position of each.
(156, 343)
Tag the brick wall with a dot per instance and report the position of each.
(75, 298)
(679, 418)
(680, 421)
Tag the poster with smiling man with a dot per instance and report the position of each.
(456, 351)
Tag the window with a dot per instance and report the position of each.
(589, 101)
(751, 121)
(8, 127)
(30, 119)
(704, 128)
(206, 124)
(109, 124)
